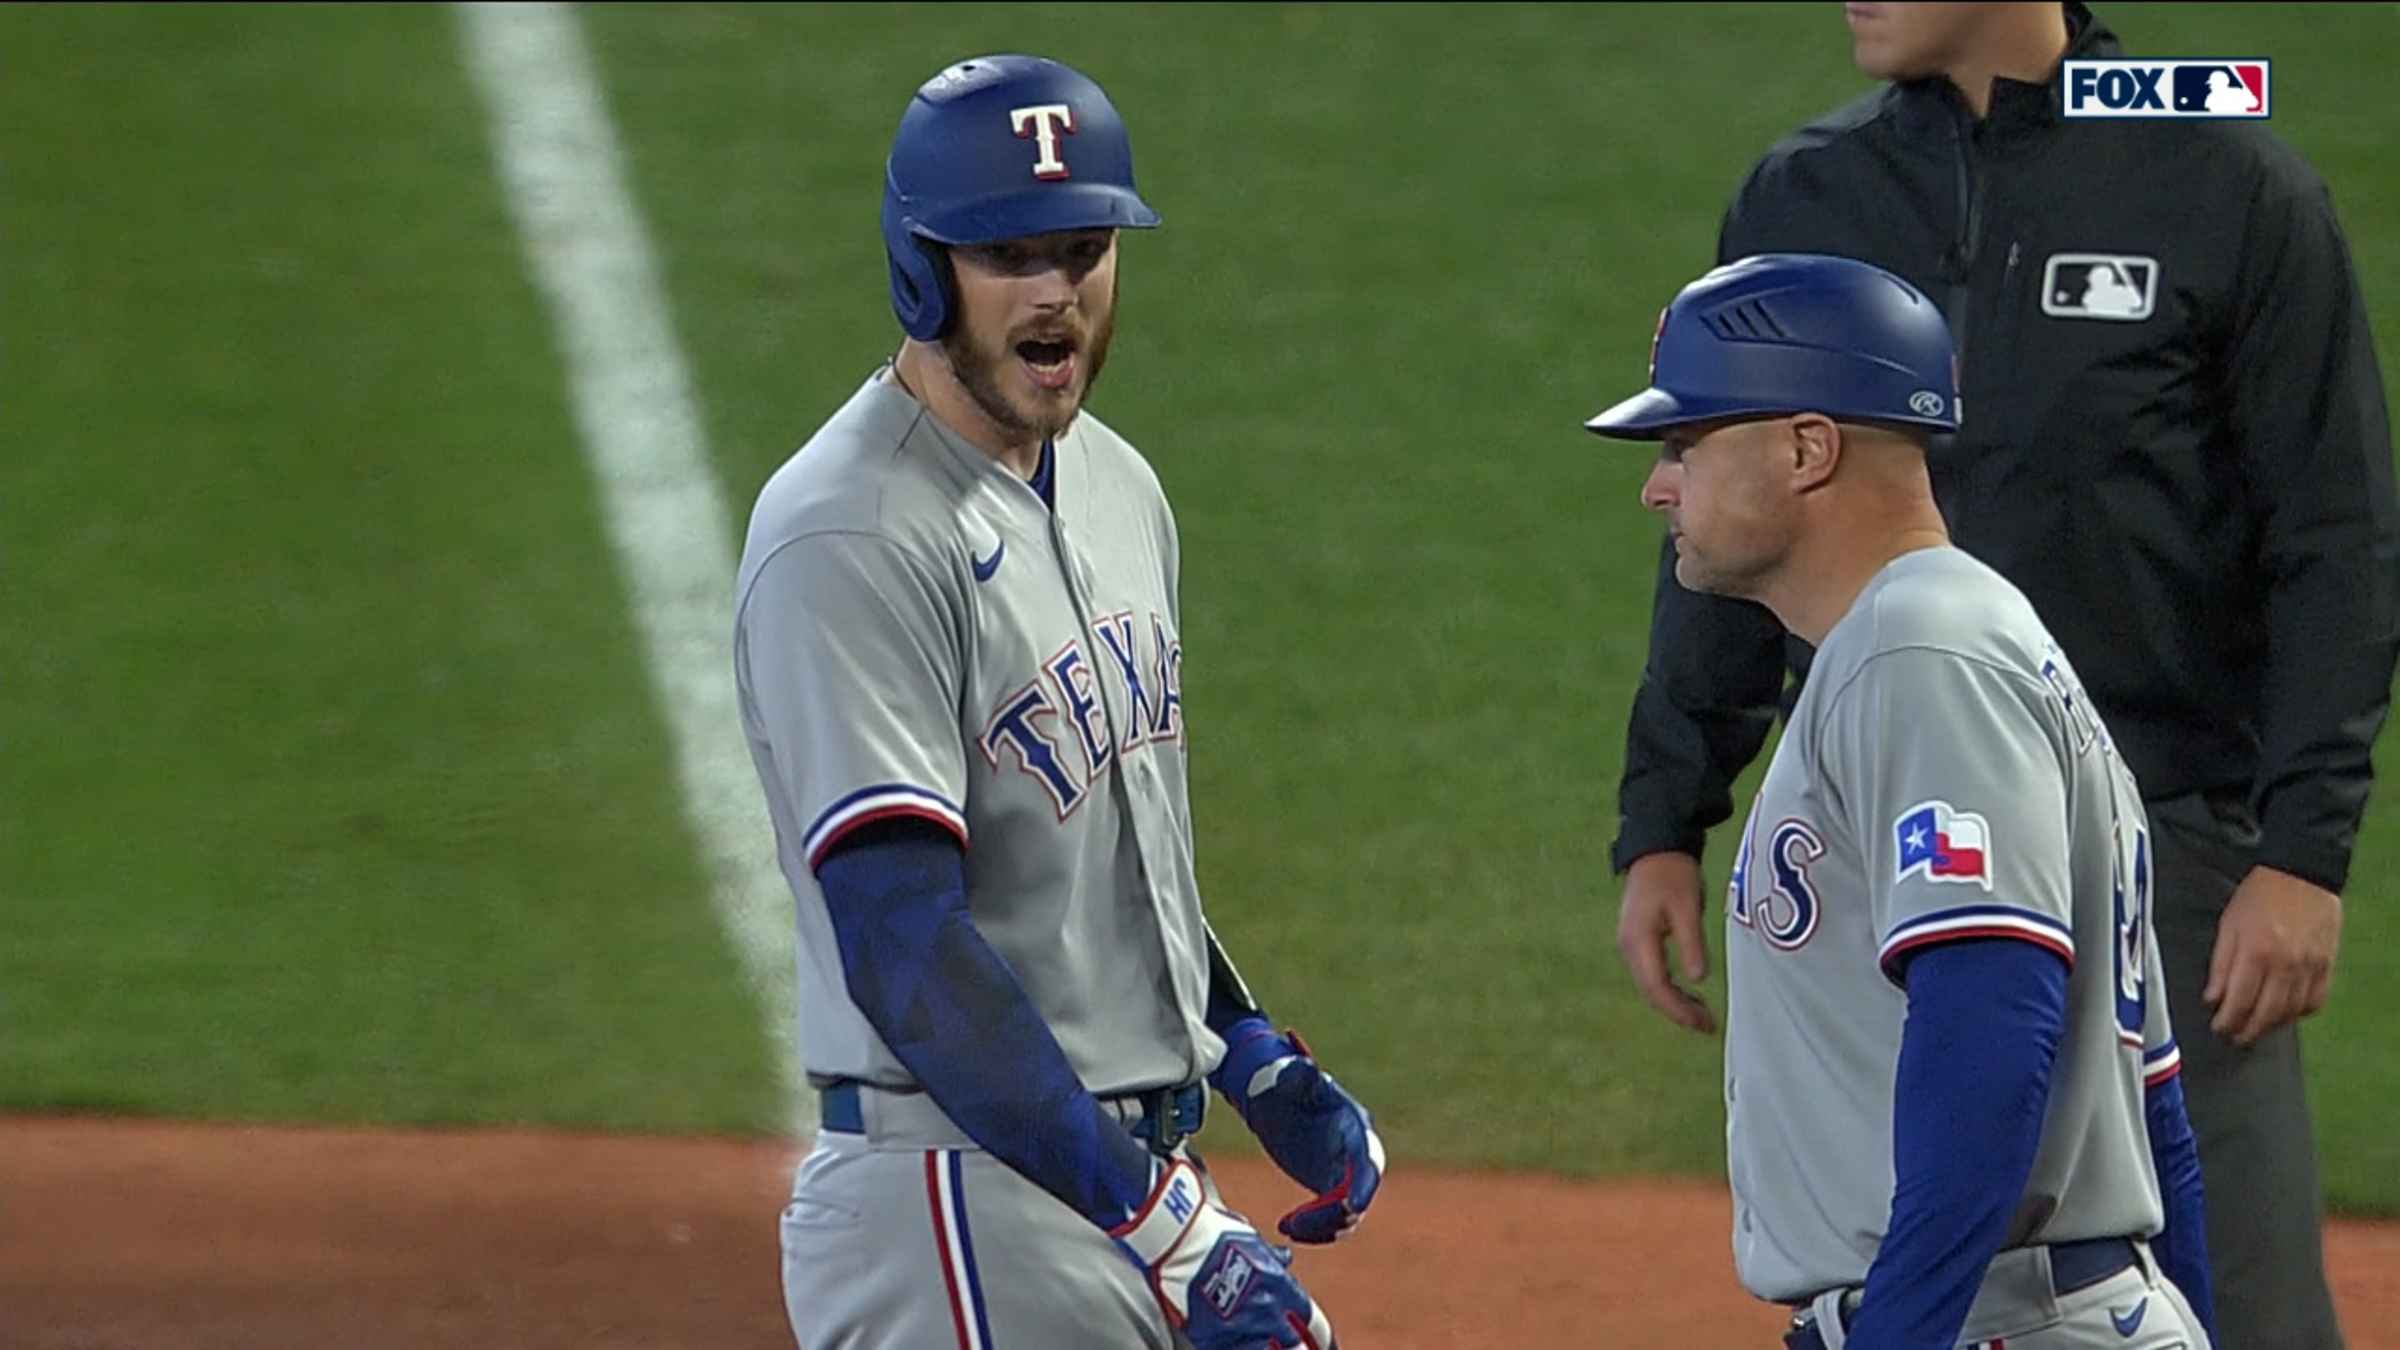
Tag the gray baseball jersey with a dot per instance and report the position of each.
(1941, 777)
(918, 634)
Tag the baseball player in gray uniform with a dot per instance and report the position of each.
(1952, 1111)
(960, 676)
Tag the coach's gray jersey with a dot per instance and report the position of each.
(917, 634)
(1942, 776)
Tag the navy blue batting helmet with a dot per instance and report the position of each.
(1794, 332)
(998, 147)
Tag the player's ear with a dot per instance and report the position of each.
(1815, 446)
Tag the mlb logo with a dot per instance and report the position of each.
(2118, 286)
(2206, 87)
(1944, 844)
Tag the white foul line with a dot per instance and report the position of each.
(565, 182)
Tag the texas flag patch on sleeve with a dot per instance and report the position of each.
(1944, 843)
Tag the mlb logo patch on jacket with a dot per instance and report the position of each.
(2118, 286)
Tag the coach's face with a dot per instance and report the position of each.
(1726, 492)
(1906, 41)
(1035, 318)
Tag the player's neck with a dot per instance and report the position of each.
(2024, 43)
(926, 374)
(1824, 576)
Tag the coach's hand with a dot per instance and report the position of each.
(1314, 1129)
(1662, 902)
(1220, 1283)
(2273, 963)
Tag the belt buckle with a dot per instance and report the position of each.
(1161, 1124)
(1805, 1333)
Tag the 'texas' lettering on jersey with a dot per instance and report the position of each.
(1786, 910)
(1064, 704)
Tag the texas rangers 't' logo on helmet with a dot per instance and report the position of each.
(1044, 123)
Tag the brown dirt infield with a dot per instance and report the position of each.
(120, 1235)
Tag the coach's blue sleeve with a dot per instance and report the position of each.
(952, 1011)
(2182, 1249)
(1984, 1021)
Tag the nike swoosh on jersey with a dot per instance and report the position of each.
(2128, 1323)
(984, 567)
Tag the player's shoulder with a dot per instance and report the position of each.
(879, 479)
(1110, 454)
(1114, 476)
(1950, 609)
(1936, 628)
(879, 467)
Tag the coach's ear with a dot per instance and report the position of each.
(1815, 446)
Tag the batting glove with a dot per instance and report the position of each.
(1220, 1283)
(1314, 1130)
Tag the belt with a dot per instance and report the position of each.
(2080, 1265)
(2073, 1266)
(1160, 1117)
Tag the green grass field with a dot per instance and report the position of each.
(334, 789)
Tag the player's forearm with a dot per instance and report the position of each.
(1984, 1021)
(2182, 1248)
(954, 1014)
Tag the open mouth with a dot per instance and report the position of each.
(1051, 362)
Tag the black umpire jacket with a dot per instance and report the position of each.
(2198, 502)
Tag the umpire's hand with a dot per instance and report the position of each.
(1662, 902)
(2273, 963)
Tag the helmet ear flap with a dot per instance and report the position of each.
(944, 283)
(923, 295)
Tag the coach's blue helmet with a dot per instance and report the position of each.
(1794, 332)
(998, 147)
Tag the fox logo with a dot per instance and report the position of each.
(2209, 87)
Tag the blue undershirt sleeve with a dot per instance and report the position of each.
(1984, 1021)
(2182, 1249)
(952, 1011)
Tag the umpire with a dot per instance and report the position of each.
(2175, 443)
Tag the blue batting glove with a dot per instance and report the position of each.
(1314, 1130)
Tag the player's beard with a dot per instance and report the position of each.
(1740, 578)
(978, 370)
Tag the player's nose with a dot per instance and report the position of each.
(1053, 288)
(1663, 489)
